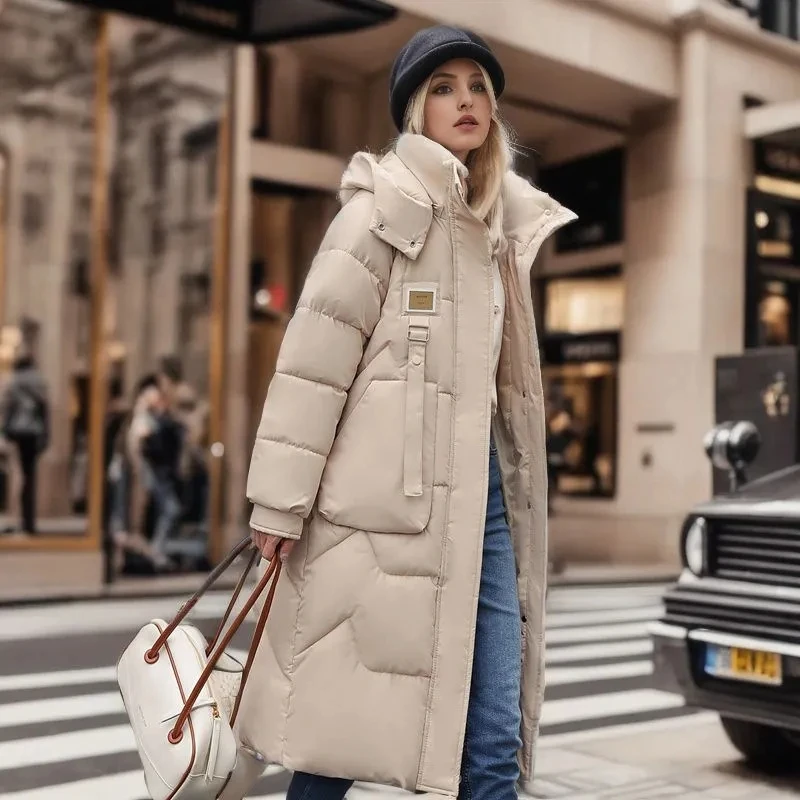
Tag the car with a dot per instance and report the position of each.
(728, 639)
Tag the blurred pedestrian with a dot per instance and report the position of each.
(129, 495)
(25, 419)
(405, 645)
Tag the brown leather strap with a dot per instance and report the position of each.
(152, 653)
(273, 569)
(256, 641)
(234, 597)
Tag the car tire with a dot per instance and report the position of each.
(769, 749)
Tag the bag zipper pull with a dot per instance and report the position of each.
(213, 748)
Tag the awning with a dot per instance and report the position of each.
(256, 21)
(777, 123)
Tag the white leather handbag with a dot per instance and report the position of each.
(182, 693)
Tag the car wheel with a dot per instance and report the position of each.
(764, 747)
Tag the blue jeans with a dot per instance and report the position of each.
(489, 769)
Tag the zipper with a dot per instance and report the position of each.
(213, 748)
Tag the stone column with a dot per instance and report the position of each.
(236, 407)
(684, 298)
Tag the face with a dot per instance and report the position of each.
(458, 108)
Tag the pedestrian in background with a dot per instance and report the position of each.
(400, 462)
(25, 419)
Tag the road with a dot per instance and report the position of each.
(63, 732)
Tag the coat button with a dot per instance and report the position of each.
(547, 212)
(416, 361)
(381, 227)
(413, 244)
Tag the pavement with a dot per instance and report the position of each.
(48, 590)
(607, 731)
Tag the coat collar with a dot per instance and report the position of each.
(434, 166)
(413, 181)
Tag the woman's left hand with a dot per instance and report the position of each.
(267, 544)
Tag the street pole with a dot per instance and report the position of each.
(5, 186)
(98, 274)
(219, 323)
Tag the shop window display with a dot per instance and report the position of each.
(582, 317)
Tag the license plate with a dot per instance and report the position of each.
(741, 664)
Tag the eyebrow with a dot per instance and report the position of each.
(450, 75)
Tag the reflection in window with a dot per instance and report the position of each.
(581, 414)
(584, 305)
(776, 314)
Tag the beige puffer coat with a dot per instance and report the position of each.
(374, 445)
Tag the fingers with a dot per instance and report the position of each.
(286, 547)
(268, 544)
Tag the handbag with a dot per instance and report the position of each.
(182, 693)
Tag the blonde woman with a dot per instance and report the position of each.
(400, 466)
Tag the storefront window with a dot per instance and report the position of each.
(580, 347)
(45, 342)
(581, 428)
(773, 271)
(160, 299)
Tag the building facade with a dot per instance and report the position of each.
(638, 118)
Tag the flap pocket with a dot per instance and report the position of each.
(363, 485)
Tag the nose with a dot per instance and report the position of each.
(465, 100)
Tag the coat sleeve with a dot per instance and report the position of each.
(322, 347)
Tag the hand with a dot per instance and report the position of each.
(267, 543)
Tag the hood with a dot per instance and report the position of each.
(412, 182)
(402, 210)
(775, 495)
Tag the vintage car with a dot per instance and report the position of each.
(729, 636)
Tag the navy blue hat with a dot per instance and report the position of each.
(430, 48)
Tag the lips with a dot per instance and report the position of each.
(467, 121)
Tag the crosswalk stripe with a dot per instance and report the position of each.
(124, 786)
(560, 676)
(35, 751)
(562, 619)
(54, 710)
(595, 633)
(586, 629)
(629, 729)
(590, 652)
(46, 680)
(119, 738)
(610, 704)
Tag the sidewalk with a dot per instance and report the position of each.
(125, 588)
(179, 585)
(577, 574)
(686, 759)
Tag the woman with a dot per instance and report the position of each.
(407, 606)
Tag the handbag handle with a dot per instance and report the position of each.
(176, 734)
(151, 656)
(234, 597)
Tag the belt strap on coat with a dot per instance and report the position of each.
(418, 334)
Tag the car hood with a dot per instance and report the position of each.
(774, 495)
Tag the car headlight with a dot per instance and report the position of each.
(694, 546)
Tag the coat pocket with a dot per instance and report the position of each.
(365, 479)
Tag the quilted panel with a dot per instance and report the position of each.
(311, 338)
(307, 427)
(365, 723)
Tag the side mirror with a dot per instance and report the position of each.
(732, 446)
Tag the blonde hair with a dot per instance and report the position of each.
(487, 165)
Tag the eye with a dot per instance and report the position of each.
(442, 88)
(479, 87)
